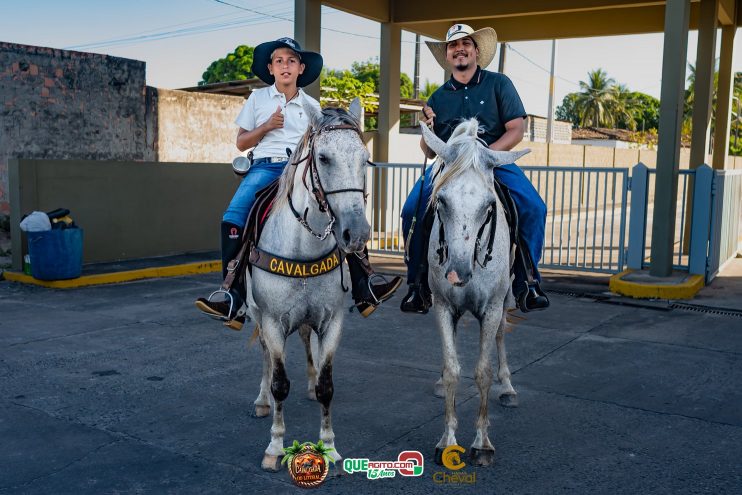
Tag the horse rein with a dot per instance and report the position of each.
(319, 192)
(490, 220)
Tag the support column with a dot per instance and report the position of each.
(724, 98)
(677, 13)
(391, 50)
(704, 85)
(307, 31)
(702, 101)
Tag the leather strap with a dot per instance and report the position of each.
(296, 269)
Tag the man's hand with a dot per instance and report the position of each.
(276, 120)
(428, 116)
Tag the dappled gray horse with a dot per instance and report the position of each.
(470, 258)
(318, 215)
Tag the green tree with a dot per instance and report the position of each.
(342, 87)
(622, 107)
(567, 111)
(369, 71)
(595, 99)
(647, 110)
(234, 67)
(428, 89)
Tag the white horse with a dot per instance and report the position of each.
(470, 258)
(318, 215)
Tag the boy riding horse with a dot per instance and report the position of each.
(272, 122)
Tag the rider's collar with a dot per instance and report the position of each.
(454, 85)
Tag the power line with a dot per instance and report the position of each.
(510, 47)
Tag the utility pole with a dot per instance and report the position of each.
(550, 118)
(501, 64)
(416, 78)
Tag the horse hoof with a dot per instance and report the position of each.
(271, 463)
(509, 400)
(261, 411)
(311, 395)
(439, 455)
(482, 457)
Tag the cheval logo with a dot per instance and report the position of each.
(234, 233)
(308, 463)
(408, 463)
(451, 459)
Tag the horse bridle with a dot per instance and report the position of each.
(319, 192)
(491, 220)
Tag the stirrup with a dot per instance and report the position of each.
(229, 295)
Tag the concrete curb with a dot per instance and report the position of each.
(686, 289)
(119, 277)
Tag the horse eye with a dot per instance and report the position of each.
(442, 202)
(323, 159)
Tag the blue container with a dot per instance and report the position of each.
(55, 254)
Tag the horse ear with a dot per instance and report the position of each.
(496, 158)
(355, 110)
(435, 143)
(314, 113)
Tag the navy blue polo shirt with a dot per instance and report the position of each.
(488, 96)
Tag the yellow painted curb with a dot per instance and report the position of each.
(118, 277)
(638, 290)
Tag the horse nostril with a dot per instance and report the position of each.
(346, 236)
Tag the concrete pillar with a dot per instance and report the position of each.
(724, 98)
(677, 13)
(704, 86)
(391, 50)
(503, 57)
(702, 100)
(307, 31)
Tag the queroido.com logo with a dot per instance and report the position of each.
(408, 463)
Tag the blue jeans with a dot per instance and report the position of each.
(260, 175)
(531, 215)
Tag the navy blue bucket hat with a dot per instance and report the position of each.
(262, 58)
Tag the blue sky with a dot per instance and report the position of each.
(177, 57)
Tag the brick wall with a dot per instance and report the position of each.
(62, 104)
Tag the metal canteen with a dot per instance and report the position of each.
(241, 165)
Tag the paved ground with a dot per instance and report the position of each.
(126, 389)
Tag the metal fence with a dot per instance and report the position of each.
(588, 212)
(586, 216)
(585, 225)
(726, 219)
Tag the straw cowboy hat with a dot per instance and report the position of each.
(485, 38)
(261, 59)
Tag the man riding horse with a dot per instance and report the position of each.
(272, 121)
(491, 98)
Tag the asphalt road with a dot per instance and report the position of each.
(127, 389)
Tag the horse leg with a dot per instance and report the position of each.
(328, 343)
(262, 402)
(439, 390)
(482, 452)
(306, 337)
(274, 342)
(508, 396)
(450, 378)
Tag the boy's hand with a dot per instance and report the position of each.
(276, 120)
(428, 116)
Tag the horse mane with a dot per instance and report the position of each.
(465, 142)
(330, 116)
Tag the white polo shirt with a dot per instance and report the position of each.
(258, 109)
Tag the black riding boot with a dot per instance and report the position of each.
(528, 293)
(226, 309)
(419, 298)
(367, 294)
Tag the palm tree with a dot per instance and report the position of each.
(623, 108)
(594, 100)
